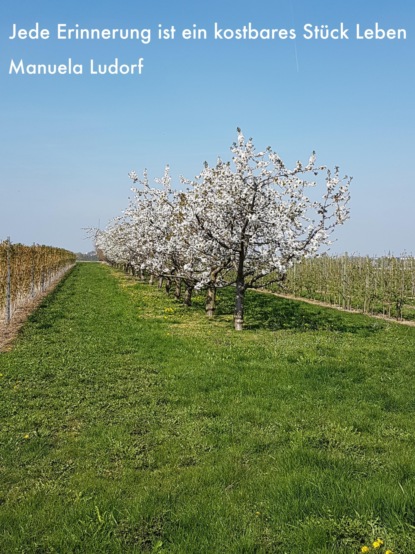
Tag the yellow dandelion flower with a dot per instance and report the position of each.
(26, 436)
(377, 544)
(389, 552)
(364, 549)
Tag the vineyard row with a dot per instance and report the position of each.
(27, 271)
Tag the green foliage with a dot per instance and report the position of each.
(371, 285)
(133, 424)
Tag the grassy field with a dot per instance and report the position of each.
(130, 424)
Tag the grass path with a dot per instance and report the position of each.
(130, 424)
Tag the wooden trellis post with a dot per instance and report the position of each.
(8, 280)
(32, 274)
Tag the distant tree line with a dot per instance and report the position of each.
(87, 257)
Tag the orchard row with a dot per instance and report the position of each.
(243, 223)
(384, 285)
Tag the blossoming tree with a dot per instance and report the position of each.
(259, 216)
(241, 223)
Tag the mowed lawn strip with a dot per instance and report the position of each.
(130, 423)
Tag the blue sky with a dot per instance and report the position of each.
(68, 142)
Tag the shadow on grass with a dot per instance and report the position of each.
(265, 311)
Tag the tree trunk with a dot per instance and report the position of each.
(178, 290)
(188, 295)
(240, 293)
(160, 283)
(151, 280)
(210, 305)
(211, 301)
(239, 306)
(168, 285)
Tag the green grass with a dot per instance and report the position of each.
(130, 424)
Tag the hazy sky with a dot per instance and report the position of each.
(68, 141)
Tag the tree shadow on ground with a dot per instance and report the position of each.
(266, 311)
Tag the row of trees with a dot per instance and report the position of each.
(383, 285)
(241, 223)
(26, 271)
